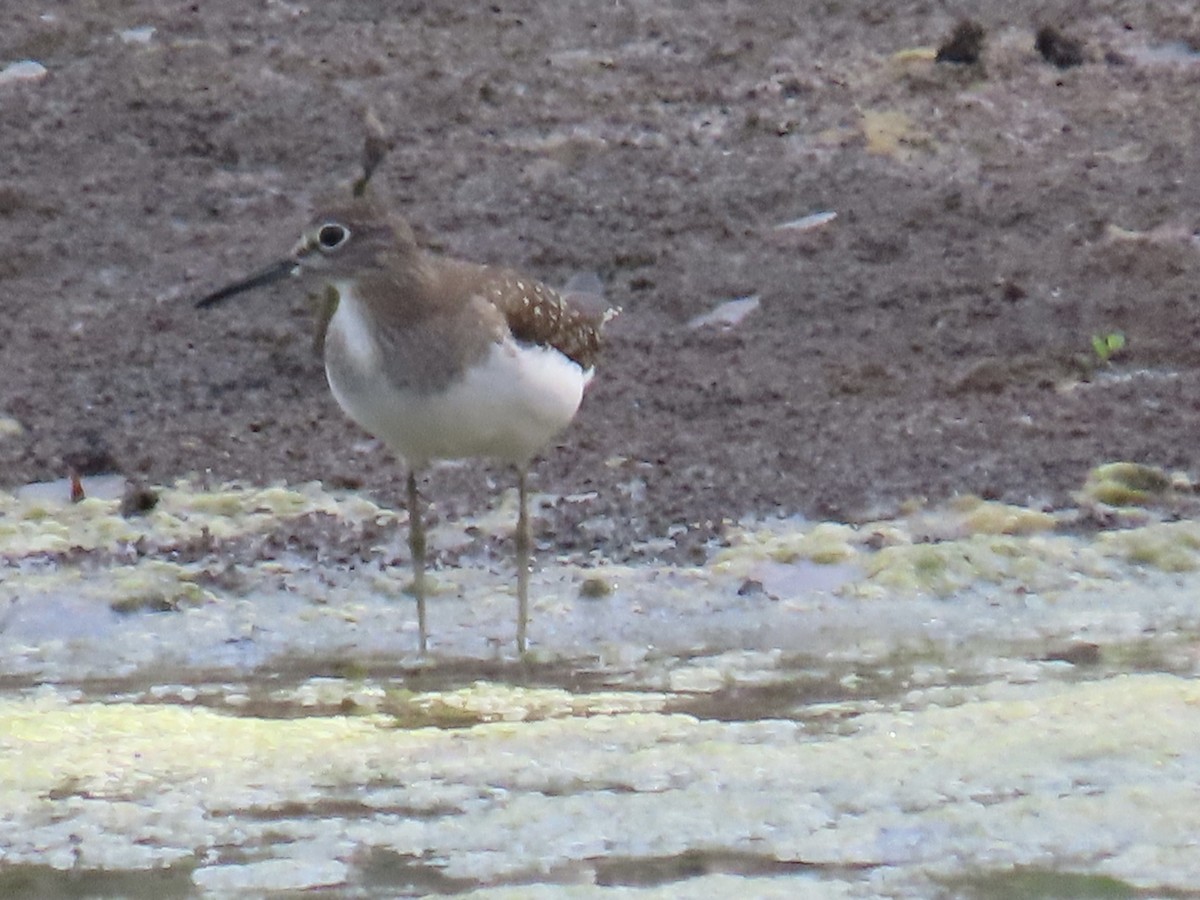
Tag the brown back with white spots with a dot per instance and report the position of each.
(537, 314)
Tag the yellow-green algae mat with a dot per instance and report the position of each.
(1098, 775)
(959, 701)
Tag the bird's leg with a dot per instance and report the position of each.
(416, 545)
(523, 542)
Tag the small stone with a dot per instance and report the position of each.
(141, 35)
(728, 314)
(751, 587)
(809, 222)
(1082, 653)
(25, 70)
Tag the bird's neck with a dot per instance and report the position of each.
(400, 291)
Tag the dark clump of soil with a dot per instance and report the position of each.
(138, 499)
(1057, 48)
(965, 44)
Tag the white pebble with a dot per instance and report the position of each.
(25, 70)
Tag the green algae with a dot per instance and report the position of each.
(1030, 882)
(1166, 546)
(156, 586)
(1123, 484)
(646, 785)
(183, 513)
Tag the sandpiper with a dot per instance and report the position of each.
(441, 358)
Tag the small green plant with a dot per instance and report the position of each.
(1106, 346)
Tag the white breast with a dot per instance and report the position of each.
(508, 406)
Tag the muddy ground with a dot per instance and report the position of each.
(967, 278)
(933, 339)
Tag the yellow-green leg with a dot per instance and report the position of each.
(523, 544)
(416, 545)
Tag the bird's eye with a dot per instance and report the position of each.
(332, 235)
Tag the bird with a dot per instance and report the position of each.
(440, 358)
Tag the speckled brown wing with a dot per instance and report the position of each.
(537, 314)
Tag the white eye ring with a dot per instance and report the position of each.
(331, 235)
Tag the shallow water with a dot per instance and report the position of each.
(968, 702)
